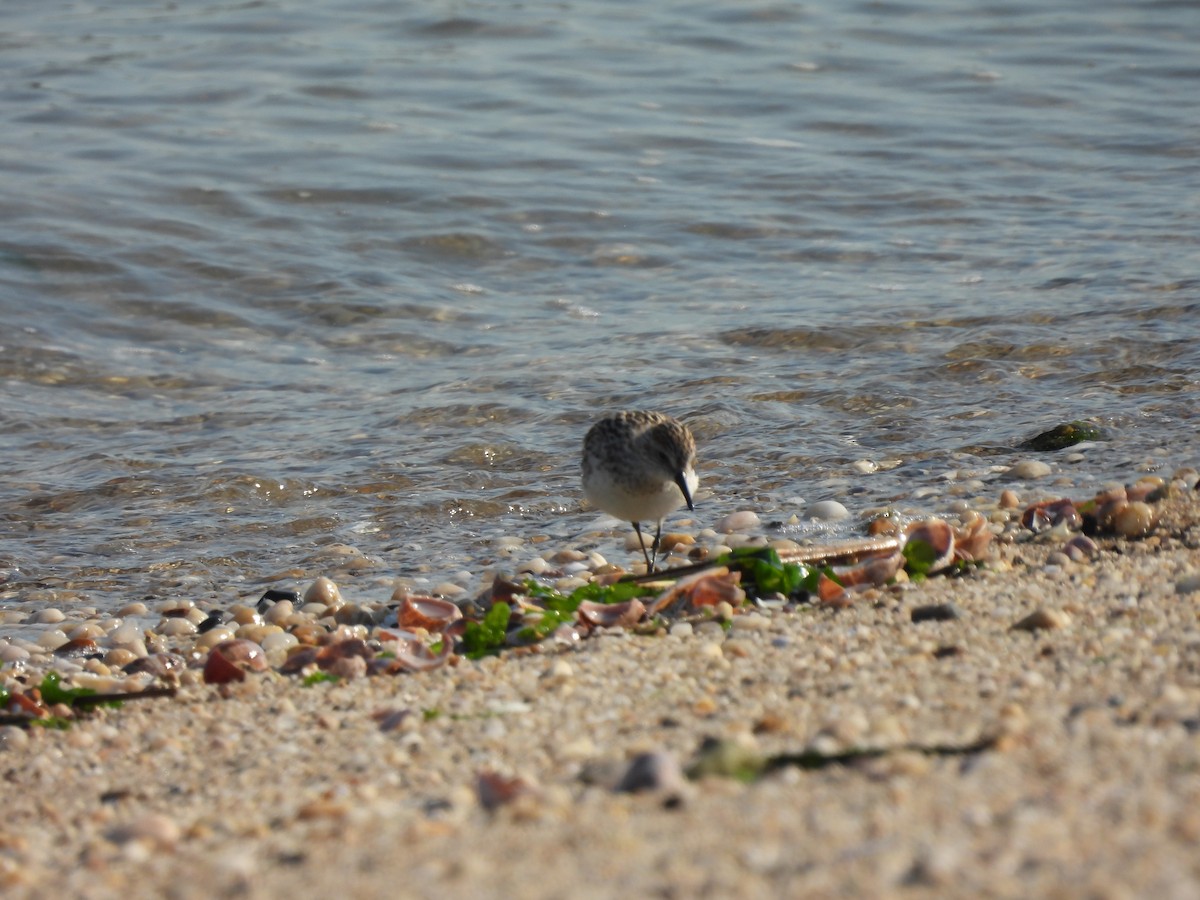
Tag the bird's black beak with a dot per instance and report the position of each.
(687, 495)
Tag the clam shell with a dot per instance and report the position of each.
(430, 613)
(231, 660)
(611, 615)
(938, 534)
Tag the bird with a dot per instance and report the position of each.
(639, 467)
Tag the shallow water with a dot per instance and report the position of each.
(281, 275)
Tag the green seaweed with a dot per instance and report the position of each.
(763, 572)
(560, 609)
(488, 635)
(320, 678)
(919, 557)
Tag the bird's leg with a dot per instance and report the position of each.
(657, 538)
(642, 543)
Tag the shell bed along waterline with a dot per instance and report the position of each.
(180, 643)
(1049, 685)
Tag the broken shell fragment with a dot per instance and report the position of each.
(611, 615)
(707, 588)
(430, 613)
(231, 660)
(938, 536)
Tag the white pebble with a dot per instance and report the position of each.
(743, 520)
(1030, 468)
(12, 737)
(827, 511)
(51, 640)
(865, 466)
(279, 640)
(535, 566)
(280, 612)
(175, 627)
(10, 653)
(681, 630)
(47, 616)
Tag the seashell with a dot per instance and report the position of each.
(1045, 514)
(231, 660)
(299, 661)
(830, 593)
(160, 665)
(706, 588)
(876, 570)
(611, 615)
(938, 534)
(416, 656)
(328, 655)
(973, 538)
(1081, 547)
(495, 790)
(430, 613)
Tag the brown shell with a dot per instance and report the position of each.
(430, 613)
(231, 660)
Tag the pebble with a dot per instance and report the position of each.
(280, 612)
(681, 630)
(827, 511)
(11, 653)
(936, 612)
(654, 772)
(1134, 519)
(1030, 468)
(176, 627)
(155, 829)
(742, 520)
(51, 640)
(535, 566)
(132, 610)
(1043, 620)
(12, 737)
(48, 616)
(1009, 499)
(751, 622)
(1188, 584)
(324, 591)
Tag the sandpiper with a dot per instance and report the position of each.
(637, 466)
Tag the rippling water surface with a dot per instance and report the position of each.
(277, 276)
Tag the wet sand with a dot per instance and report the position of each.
(1079, 773)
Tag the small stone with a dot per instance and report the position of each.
(175, 628)
(155, 829)
(558, 673)
(49, 616)
(1009, 499)
(535, 566)
(827, 511)
(1188, 584)
(323, 590)
(743, 520)
(655, 772)
(681, 630)
(1080, 547)
(1043, 620)
(936, 612)
(280, 612)
(1030, 469)
(12, 737)
(1134, 519)
(751, 622)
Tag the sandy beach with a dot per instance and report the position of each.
(978, 759)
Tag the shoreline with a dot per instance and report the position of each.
(1090, 782)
